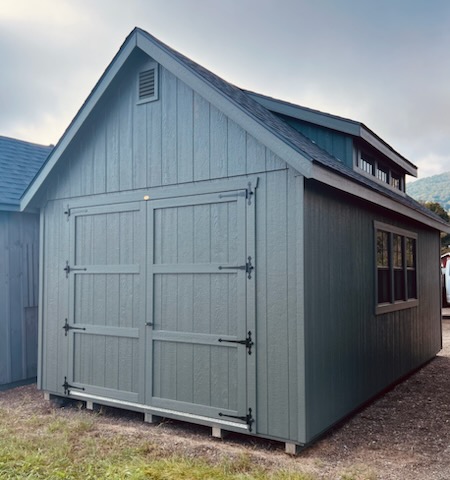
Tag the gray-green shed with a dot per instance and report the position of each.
(19, 246)
(224, 258)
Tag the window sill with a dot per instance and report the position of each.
(393, 307)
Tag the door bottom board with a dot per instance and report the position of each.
(158, 411)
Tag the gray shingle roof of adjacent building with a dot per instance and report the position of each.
(19, 163)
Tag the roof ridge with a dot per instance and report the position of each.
(18, 140)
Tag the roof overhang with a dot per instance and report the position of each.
(351, 187)
(333, 122)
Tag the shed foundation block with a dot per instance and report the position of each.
(217, 432)
(150, 418)
(292, 448)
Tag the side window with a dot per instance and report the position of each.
(396, 270)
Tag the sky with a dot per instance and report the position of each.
(385, 63)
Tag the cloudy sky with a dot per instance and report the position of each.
(385, 63)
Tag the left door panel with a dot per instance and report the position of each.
(105, 271)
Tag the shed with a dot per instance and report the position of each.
(183, 225)
(19, 244)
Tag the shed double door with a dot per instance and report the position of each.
(201, 279)
(162, 305)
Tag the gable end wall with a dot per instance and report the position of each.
(180, 138)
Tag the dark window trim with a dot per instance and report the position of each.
(394, 305)
(363, 158)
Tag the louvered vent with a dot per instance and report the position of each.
(148, 83)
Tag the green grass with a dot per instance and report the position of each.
(75, 447)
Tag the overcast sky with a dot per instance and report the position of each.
(385, 63)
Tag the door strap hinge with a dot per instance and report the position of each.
(67, 212)
(69, 269)
(248, 419)
(67, 387)
(248, 342)
(248, 267)
(250, 191)
(234, 194)
(68, 327)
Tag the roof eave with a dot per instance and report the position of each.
(350, 186)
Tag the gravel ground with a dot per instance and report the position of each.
(404, 435)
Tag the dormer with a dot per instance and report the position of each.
(350, 142)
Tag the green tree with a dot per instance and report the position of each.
(438, 209)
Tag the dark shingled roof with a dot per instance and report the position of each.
(19, 163)
(292, 137)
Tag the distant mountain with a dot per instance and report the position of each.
(431, 189)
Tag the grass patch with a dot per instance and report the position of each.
(74, 446)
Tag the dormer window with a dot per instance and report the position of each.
(382, 174)
(396, 181)
(367, 165)
(381, 171)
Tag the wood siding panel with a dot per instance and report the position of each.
(177, 139)
(126, 137)
(169, 137)
(353, 354)
(218, 144)
(277, 332)
(276, 297)
(185, 132)
(201, 138)
(237, 149)
(337, 144)
(19, 239)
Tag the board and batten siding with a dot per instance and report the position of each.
(180, 138)
(335, 143)
(19, 247)
(279, 313)
(353, 354)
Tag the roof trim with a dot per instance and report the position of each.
(180, 67)
(78, 120)
(334, 122)
(338, 181)
(9, 207)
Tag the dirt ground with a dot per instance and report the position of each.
(404, 435)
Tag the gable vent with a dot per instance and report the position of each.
(148, 85)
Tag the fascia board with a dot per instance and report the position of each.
(334, 180)
(78, 121)
(375, 142)
(234, 111)
(307, 115)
